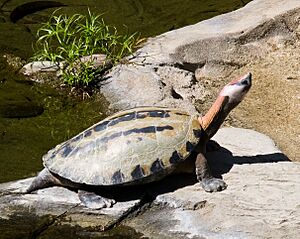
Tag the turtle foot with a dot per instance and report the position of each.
(94, 201)
(213, 184)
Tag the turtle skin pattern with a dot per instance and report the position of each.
(139, 145)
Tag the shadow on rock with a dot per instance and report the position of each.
(222, 160)
(146, 192)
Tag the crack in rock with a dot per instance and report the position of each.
(50, 222)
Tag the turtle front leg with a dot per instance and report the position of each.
(208, 182)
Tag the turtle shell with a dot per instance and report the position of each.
(133, 146)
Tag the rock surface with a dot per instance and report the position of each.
(176, 62)
(261, 201)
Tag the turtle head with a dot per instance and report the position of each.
(230, 96)
(235, 91)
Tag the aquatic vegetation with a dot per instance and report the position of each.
(69, 38)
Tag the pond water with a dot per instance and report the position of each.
(33, 117)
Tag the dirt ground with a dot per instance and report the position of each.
(272, 106)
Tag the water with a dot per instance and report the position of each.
(26, 225)
(23, 138)
(33, 117)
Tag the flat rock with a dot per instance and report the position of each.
(261, 201)
(262, 198)
(40, 66)
(57, 201)
(253, 143)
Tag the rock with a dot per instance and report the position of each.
(261, 201)
(98, 60)
(210, 49)
(20, 109)
(215, 39)
(124, 83)
(124, 87)
(15, 62)
(8, 40)
(62, 204)
(40, 66)
(254, 143)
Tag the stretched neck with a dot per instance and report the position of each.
(216, 115)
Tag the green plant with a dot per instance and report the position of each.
(69, 38)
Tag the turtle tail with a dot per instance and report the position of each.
(43, 180)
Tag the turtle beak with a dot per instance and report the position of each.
(246, 81)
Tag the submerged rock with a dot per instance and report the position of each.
(20, 109)
(31, 7)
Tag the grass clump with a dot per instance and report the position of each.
(69, 39)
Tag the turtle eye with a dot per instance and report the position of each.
(244, 80)
(234, 82)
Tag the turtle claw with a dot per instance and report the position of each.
(102, 202)
(213, 184)
(94, 201)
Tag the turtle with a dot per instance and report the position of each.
(138, 146)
